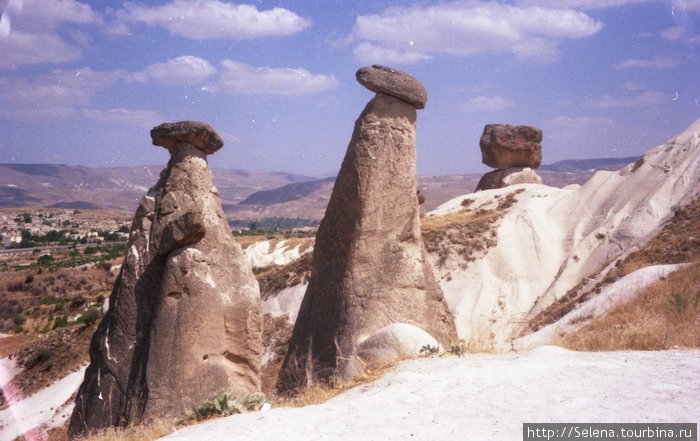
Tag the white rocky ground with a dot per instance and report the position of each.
(485, 397)
(552, 238)
(48, 408)
(282, 252)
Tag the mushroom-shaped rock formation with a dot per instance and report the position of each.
(504, 146)
(514, 151)
(370, 269)
(184, 320)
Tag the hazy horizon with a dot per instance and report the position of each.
(82, 83)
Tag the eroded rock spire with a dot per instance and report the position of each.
(372, 296)
(184, 320)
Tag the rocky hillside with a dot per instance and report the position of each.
(244, 194)
(75, 186)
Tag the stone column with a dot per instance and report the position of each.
(185, 316)
(371, 275)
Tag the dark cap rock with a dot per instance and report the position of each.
(504, 146)
(382, 79)
(199, 134)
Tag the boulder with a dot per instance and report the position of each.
(198, 134)
(508, 176)
(382, 79)
(184, 320)
(505, 146)
(370, 268)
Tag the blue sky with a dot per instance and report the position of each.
(82, 82)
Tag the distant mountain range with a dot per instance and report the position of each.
(244, 194)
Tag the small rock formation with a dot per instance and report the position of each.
(184, 320)
(370, 269)
(509, 176)
(514, 151)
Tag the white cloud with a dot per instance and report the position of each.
(214, 19)
(21, 48)
(580, 4)
(646, 99)
(659, 62)
(240, 78)
(33, 31)
(186, 69)
(371, 54)
(687, 5)
(672, 34)
(467, 28)
(631, 85)
(56, 95)
(680, 34)
(51, 13)
(487, 104)
(141, 118)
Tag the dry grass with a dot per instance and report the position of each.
(147, 432)
(664, 315)
(468, 233)
(274, 279)
(322, 392)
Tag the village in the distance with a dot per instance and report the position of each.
(40, 235)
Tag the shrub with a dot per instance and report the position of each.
(38, 357)
(90, 316)
(429, 350)
(60, 322)
(222, 405)
(50, 300)
(77, 302)
(458, 348)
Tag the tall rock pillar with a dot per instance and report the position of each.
(185, 317)
(372, 294)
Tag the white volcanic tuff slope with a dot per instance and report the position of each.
(266, 252)
(553, 239)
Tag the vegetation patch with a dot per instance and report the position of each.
(223, 404)
(273, 279)
(662, 316)
(467, 234)
(51, 358)
(146, 432)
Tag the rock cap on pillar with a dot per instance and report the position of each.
(199, 134)
(505, 146)
(382, 79)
